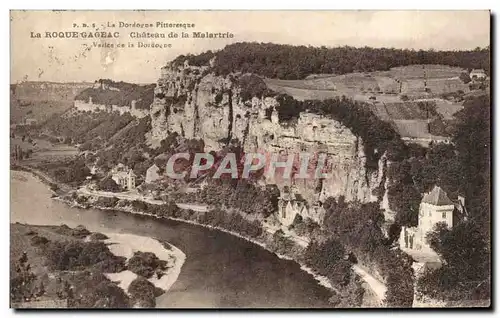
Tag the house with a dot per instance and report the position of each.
(124, 177)
(30, 121)
(477, 74)
(435, 207)
(153, 174)
(290, 205)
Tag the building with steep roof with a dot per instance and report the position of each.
(124, 177)
(435, 207)
(291, 204)
(478, 74)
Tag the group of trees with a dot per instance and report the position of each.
(358, 227)
(460, 168)
(465, 273)
(242, 195)
(143, 293)
(146, 264)
(77, 255)
(71, 171)
(123, 96)
(23, 282)
(297, 62)
(86, 126)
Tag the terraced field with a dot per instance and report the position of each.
(383, 90)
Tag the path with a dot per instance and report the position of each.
(376, 286)
(136, 196)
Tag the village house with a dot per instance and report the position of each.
(153, 174)
(124, 177)
(290, 205)
(477, 74)
(435, 207)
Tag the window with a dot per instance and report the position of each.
(443, 215)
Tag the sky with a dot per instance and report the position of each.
(78, 60)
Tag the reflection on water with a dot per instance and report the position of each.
(220, 270)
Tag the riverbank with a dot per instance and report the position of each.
(50, 266)
(125, 245)
(265, 241)
(55, 186)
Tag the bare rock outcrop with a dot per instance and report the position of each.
(195, 103)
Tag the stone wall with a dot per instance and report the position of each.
(90, 106)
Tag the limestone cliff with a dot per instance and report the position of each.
(195, 103)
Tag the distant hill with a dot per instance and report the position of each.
(108, 92)
(297, 62)
(40, 100)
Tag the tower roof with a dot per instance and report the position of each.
(437, 197)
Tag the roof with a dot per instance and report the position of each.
(437, 197)
(477, 71)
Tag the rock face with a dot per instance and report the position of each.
(195, 103)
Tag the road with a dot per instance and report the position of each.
(136, 196)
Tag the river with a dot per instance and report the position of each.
(220, 270)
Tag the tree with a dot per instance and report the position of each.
(473, 144)
(466, 254)
(143, 292)
(108, 184)
(22, 281)
(464, 77)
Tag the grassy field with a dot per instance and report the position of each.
(40, 100)
(38, 110)
(383, 92)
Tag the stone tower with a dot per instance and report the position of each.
(435, 207)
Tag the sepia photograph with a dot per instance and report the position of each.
(250, 159)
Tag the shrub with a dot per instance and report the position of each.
(143, 292)
(94, 290)
(75, 255)
(108, 184)
(146, 264)
(107, 202)
(38, 240)
(97, 237)
(80, 232)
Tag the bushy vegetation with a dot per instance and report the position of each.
(23, 282)
(78, 255)
(358, 227)
(232, 222)
(97, 237)
(303, 227)
(143, 293)
(146, 264)
(70, 171)
(252, 86)
(87, 126)
(329, 259)
(297, 62)
(91, 289)
(126, 93)
(461, 168)
(201, 59)
(242, 195)
(128, 147)
(106, 202)
(108, 184)
(465, 274)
